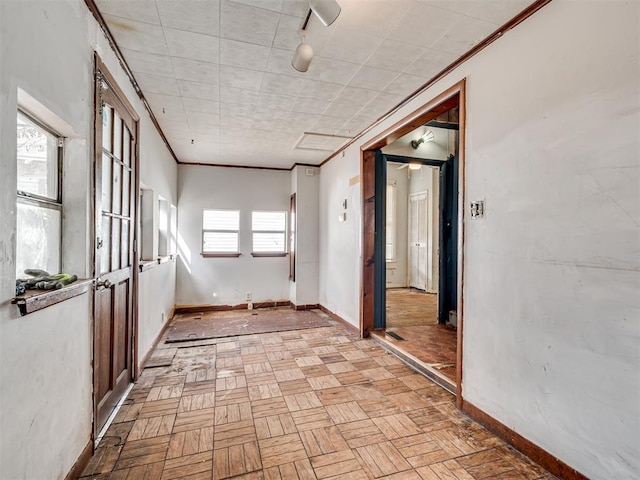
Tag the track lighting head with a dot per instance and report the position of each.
(326, 10)
(427, 136)
(302, 57)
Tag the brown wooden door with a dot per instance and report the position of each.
(115, 208)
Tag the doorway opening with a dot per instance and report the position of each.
(412, 285)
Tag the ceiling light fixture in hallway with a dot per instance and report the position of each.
(326, 10)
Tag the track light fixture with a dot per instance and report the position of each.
(427, 136)
(302, 56)
(326, 10)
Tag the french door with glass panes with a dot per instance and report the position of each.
(115, 210)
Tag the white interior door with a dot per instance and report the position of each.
(418, 236)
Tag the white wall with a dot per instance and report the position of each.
(156, 286)
(156, 298)
(340, 242)
(304, 291)
(397, 271)
(199, 278)
(551, 309)
(46, 50)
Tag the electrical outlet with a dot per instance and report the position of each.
(247, 296)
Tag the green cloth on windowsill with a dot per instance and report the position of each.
(41, 280)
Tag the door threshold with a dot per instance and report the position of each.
(413, 362)
(109, 421)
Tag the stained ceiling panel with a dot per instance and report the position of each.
(218, 75)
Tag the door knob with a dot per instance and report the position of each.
(103, 283)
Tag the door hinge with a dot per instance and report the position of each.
(60, 142)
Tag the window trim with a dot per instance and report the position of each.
(274, 253)
(59, 153)
(214, 253)
(220, 254)
(269, 254)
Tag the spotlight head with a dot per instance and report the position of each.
(302, 57)
(427, 136)
(326, 10)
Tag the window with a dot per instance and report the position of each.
(390, 244)
(173, 231)
(220, 231)
(39, 197)
(163, 227)
(145, 219)
(269, 230)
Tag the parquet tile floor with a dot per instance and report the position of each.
(306, 404)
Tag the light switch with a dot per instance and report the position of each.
(477, 209)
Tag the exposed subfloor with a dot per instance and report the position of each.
(412, 315)
(310, 404)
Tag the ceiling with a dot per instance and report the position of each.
(218, 76)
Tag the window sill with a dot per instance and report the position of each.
(220, 254)
(145, 265)
(34, 300)
(165, 259)
(269, 254)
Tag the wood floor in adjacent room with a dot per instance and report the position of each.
(413, 315)
(305, 404)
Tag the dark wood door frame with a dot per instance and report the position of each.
(444, 289)
(450, 98)
(102, 74)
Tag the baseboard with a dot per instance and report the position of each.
(208, 308)
(277, 303)
(147, 355)
(225, 308)
(81, 462)
(308, 306)
(530, 449)
(352, 328)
